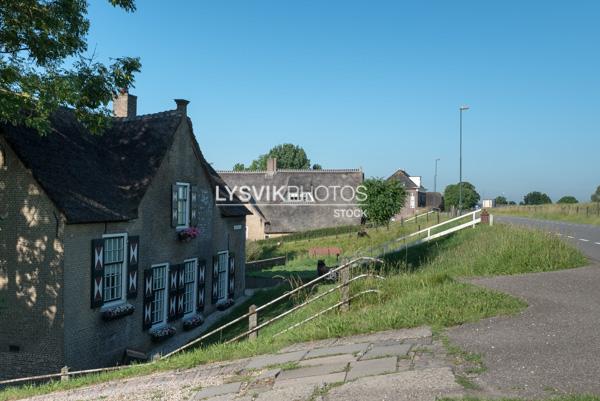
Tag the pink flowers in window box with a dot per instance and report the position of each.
(188, 234)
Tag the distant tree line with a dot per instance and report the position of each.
(288, 156)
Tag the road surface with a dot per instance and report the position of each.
(552, 347)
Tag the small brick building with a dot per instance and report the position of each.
(94, 255)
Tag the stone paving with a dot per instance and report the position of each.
(391, 365)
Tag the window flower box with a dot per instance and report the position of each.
(118, 311)
(188, 234)
(162, 333)
(225, 304)
(192, 322)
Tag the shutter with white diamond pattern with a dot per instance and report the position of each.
(231, 276)
(172, 299)
(148, 297)
(200, 285)
(97, 282)
(132, 266)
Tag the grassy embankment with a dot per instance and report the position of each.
(584, 213)
(421, 288)
(300, 263)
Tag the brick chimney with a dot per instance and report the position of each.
(182, 105)
(125, 104)
(271, 165)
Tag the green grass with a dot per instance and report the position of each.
(421, 288)
(299, 262)
(585, 213)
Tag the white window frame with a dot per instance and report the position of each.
(165, 296)
(194, 285)
(226, 284)
(123, 298)
(187, 205)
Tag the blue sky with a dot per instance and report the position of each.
(378, 84)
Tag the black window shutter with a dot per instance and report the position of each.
(132, 266)
(231, 286)
(215, 280)
(200, 285)
(148, 297)
(180, 290)
(97, 282)
(174, 205)
(173, 285)
(194, 201)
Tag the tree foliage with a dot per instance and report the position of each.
(568, 199)
(452, 195)
(596, 195)
(501, 200)
(288, 156)
(239, 167)
(536, 198)
(43, 64)
(384, 199)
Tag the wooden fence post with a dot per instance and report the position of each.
(252, 322)
(64, 374)
(345, 289)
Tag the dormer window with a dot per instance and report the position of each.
(183, 205)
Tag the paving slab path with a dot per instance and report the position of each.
(553, 347)
(392, 365)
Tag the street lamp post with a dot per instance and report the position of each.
(460, 189)
(435, 176)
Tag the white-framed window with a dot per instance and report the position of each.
(189, 279)
(115, 272)
(183, 205)
(159, 288)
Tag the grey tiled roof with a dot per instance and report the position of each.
(98, 178)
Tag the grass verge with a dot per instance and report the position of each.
(420, 289)
(559, 398)
(585, 213)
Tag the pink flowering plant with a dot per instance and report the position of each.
(193, 321)
(118, 311)
(188, 234)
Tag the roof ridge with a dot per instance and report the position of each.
(343, 170)
(149, 115)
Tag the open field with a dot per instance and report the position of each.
(583, 213)
(421, 288)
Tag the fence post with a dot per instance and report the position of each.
(345, 289)
(64, 374)
(252, 322)
(438, 217)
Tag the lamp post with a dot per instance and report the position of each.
(435, 176)
(460, 191)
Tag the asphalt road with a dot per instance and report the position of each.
(552, 347)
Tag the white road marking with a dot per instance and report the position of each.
(597, 243)
(584, 240)
(570, 236)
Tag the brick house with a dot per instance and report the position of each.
(311, 199)
(416, 196)
(94, 258)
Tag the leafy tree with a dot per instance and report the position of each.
(512, 203)
(501, 200)
(288, 156)
(239, 167)
(452, 195)
(596, 195)
(43, 64)
(536, 198)
(317, 166)
(384, 199)
(568, 199)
